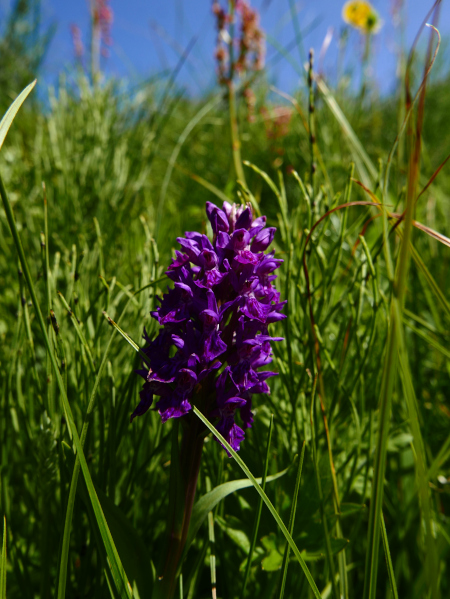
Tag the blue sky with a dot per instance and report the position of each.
(148, 36)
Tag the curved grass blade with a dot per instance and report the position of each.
(431, 556)
(430, 340)
(395, 354)
(258, 513)
(212, 546)
(127, 338)
(414, 254)
(365, 166)
(440, 459)
(10, 114)
(130, 545)
(281, 199)
(206, 184)
(388, 559)
(285, 565)
(266, 500)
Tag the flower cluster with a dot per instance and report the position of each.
(102, 18)
(214, 323)
(249, 46)
(221, 52)
(252, 48)
(361, 15)
(77, 41)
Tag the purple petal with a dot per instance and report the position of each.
(239, 239)
(208, 259)
(245, 219)
(217, 218)
(172, 407)
(263, 239)
(146, 401)
(231, 432)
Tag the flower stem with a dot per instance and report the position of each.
(185, 466)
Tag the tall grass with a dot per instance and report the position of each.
(362, 444)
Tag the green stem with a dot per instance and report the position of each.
(365, 68)
(235, 141)
(312, 128)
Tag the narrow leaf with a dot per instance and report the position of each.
(388, 559)
(12, 111)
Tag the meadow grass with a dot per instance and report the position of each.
(357, 422)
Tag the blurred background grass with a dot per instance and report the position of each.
(116, 161)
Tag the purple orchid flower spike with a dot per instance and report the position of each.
(214, 339)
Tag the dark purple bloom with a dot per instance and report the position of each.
(214, 324)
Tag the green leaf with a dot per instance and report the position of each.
(12, 111)
(399, 442)
(347, 509)
(209, 501)
(233, 528)
(274, 557)
(312, 540)
(337, 545)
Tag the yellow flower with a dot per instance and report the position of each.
(362, 15)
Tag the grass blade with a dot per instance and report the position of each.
(117, 570)
(212, 546)
(285, 565)
(388, 559)
(10, 114)
(258, 512)
(431, 557)
(365, 166)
